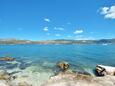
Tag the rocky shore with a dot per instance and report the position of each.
(105, 77)
(75, 79)
(65, 77)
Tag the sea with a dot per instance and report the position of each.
(40, 60)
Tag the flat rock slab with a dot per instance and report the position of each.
(72, 79)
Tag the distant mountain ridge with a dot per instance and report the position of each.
(58, 41)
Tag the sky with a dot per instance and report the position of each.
(57, 19)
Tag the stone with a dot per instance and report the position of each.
(3, 83)
(4, 75)
(7, 59)
(102, 70)
(23, 84)
(63, 65)
(72, 79)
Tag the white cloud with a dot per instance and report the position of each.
(45, 28)
(108, 12)
(57, 35)
(46, 19)
(59, 28)
(78, 32)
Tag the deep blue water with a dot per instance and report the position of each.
(79, 56)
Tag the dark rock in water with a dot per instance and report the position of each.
(24, 65)
(10, 65)
(2, 63)
(63, 65)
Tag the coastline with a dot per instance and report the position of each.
(37, 76)
(37, 65)
(76, 79)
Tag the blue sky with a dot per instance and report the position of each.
(57, 19)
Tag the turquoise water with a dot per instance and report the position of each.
(80, 57)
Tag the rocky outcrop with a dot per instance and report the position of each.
(7, 79)
(75, 79)
(31, 77)
(102, 70)
(4, 75)
(68, 78)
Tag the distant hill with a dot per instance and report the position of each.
(58, 41)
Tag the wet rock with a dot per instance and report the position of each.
(63, 65)
(23, 84)
(4, 75)
(72, 79)
(102, 70)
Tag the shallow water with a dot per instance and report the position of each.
(43, 58)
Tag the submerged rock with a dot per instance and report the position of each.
(10, 66)
(23, 65)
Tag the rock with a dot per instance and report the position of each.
(23, 84)
(4, 75)
(7, 59)
(24, 65)
(63, 66)
(4, 83)
(102, 70)
(72, 79)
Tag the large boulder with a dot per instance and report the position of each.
(102, 70)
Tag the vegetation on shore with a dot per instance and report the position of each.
(59, 41)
